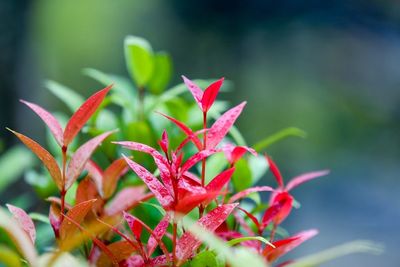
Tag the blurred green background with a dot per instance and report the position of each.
(328, 67)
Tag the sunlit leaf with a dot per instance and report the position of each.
(162, 72)
(282, 134)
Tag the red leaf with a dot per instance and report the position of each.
(196, 158)
(159, 191)
(252, 217)
(111, 176)
(186, 130)
(77, 214)
(164, 142)
(284, 246)
(49, 119)
(54, 218)
(126, 199)
(188, 244)
(222, 126)
(189, 202)
(220, 180)
(234, 153)
(210, 94)
(86, 191)
(305, 178)
(284, 203)
(248, 191)
(160, 161)
(81, 156)
(83, 114)
(48, 160)
(195, 90)
(24, 221)
(159, 232)
(275, 171)
(135, 226)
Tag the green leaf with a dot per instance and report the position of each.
(236, 241)
(39, 217)
(9, 257)
(258, 167)
(161, 74)
(241, 178)
(65, 259)
(139, 59)
(282, 134)
(205, 259)
(358, 246)
(237, 257)
(12, 165)
(106, 121)
(68, 96)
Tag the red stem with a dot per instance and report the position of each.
(63, 191)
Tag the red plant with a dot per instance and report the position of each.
(178, 190)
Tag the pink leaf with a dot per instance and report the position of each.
(210, 94)
(159, 191)
(111, 176)
(126, 199)
(305, 178)
(222, 126)
(81, 156)
(195, 90)
(196, 158)
(159, 232)
(49, 119)
(248, 191)
(188, 244)
(186, 130)
(220, 180)
(160, 161)
(284, 203)
(275, 171)
(96, 174)
(284, 246)
(83, 114)
(24, 221)
(48, 160)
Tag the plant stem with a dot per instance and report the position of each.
(174, 236)
(63, 191)
(203, 162)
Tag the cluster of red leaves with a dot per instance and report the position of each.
(178, 189)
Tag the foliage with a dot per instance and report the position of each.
(178, 200)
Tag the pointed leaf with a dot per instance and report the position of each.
(49, 119)
(164, 142)
(135, 226)
(251, 217)
(86, 191)
(305, 178)
(77, 214)
(234, 153)
(68, 96)
(48, 160)
(96, 174)
(160, 161)
(159, 191)
(199, 156)
(210, 94)
(82, 115)
(188, 244)
(275, 171)
(162, 72)
(222, 126)
(220, 180)
(193, 137)
(121, 249)
(159, 232)
(246, 192)
(111, 176)
(195, 90)
(126, 199)
(24, 221)
(189, 202)
(81, 156)
(284, 246)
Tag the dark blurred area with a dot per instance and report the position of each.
(331, 68)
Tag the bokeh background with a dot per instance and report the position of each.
(331, 68)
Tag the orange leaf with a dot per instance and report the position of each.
(48, 160)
